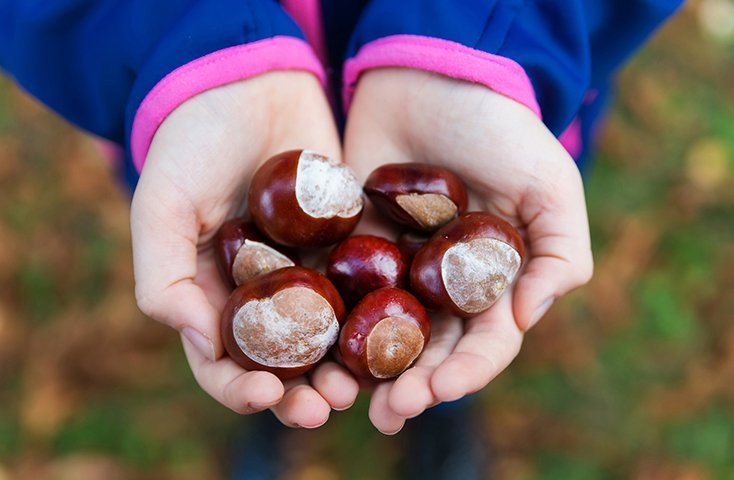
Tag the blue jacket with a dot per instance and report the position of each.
(117, 67)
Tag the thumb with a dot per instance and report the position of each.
(164, 237)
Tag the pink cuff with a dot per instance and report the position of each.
(307, 14)
(571, 139)
(111, 152)
(452, 59)
(213, 70)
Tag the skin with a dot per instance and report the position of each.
(195, 177)
(514, 167)
(198, 170)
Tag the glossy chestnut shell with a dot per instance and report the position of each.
(418, 195)
(242, 252)
(467, 265)
(282, 322)
(363, 263)
(302, 199)
(384, 334)
(410, 242)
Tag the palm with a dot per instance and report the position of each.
(514, 168)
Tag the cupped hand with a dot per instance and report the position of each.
(195, 177)
(514, 167)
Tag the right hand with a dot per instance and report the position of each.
(195, 177)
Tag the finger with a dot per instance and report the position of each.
(301, 406)
(412, 392)
(492, 340)
(335, 384)
(165, 233)
(210, 280)
(240, 390)
(559, 251)
(381, 415)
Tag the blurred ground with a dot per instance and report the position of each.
(631, 377)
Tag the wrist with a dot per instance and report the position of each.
(450, 59)
(214, 71)
(234, 127)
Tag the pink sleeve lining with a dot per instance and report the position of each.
(571, 139)
(307, 14)
(215, 69)
(452, 59)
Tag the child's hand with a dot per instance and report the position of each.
(514, 167)
(195, 177)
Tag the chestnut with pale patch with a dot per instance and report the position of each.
(430, 210)
(242, 252)
(326, 188)
(384, 334)
(283, 322)
(302, 199)
(418, 195)
(392, 346)
(256, 258)
(467, 265)
(476, 272)
(293, 328)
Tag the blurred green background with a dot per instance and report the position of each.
(629, 377)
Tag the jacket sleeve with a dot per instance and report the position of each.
(117, 68)
(546, 54)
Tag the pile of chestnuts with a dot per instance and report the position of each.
(371, 303)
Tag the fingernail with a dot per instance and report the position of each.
(540, 311)
(311, 427)
(391, 433)
(198, 340)
(260, 406)
(415, 414)
(341, 409)
(454, 398)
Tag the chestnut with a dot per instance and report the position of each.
(467, 264)
(363, 263)
(384, 334)
(282, 322)
(302, 199)
(242, 252)
(410, 242)
(418, 195)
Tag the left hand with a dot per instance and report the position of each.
(200, 162)
(515, 168)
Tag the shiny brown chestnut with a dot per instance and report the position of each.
(418, 195)
(242, 252)
(410, 242)
(282, 322)
(466, 265)
(363, 263)
(384, 334)
(302, 199)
